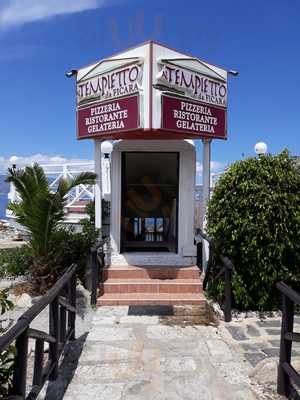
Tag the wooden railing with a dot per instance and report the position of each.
(286, 373)
(97, 265)
(225, 271)
(61, 299)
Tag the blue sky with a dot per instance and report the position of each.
(42, 39)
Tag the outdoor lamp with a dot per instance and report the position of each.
(71, 73)
(13, 160)
(106, 148)
(260, 148)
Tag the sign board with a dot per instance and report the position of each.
(184, 115)
(113, 84)
(108, 103)
(195, 85)
(151, 92)
(100, 118)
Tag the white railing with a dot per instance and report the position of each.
(54, 172)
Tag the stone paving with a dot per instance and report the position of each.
(148, 357)
(119, 355)
(259, 338)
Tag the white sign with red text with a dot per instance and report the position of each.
(111, 85)
(194, 84)
(151, 91)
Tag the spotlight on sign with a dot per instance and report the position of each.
(260, 148)
(71, 73)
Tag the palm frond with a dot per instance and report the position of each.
(18, 179)
(84, 178)
(37, 173)
(29, 181)
(41, 219)
(17, 209)
(63, 187)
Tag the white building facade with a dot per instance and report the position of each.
(150, 101)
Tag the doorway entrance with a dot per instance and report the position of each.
(149, 217)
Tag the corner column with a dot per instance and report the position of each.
(98, 185)
(205, 197)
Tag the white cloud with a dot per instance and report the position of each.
(41, 159)
(215, 166)
(17, 12)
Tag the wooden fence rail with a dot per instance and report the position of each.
(286, 373)
(61, 299)
(97, 265)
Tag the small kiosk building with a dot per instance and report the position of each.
(152, 102)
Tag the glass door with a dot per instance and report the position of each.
(149, 201)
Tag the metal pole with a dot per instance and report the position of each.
(107, 175)
(205, 197)
(12, 191)
(98, 185)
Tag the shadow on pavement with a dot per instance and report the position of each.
(56, 389)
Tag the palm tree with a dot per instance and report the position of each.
(40, 211)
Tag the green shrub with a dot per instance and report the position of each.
(254, 217)
(74, 247)
(16, 261)
(5, 303)
(90, 210)
(8, 355)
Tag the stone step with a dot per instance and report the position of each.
(172, 299)
(150, 272)
(151, 286)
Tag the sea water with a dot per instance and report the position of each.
(4, 189)
(3, 204)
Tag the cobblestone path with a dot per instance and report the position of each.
(146, 357)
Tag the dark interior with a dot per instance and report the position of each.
(149, 201)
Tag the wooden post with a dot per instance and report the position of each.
(72, 300)
(228, 295)
(54, 331)
(287, 324)
(20, 365)
(38, 362)
(62, 323)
